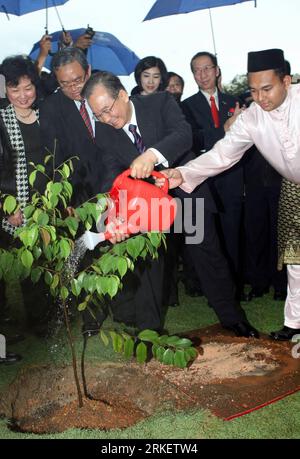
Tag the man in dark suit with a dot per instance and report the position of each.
(166, 139)
(149, 132)
(63, 129)
(211, 113)
(68, 129)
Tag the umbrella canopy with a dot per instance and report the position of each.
(168, 8)
(106, 52)
(20, 7)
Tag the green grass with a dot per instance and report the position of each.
(279, 420)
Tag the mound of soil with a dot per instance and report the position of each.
(229, 376)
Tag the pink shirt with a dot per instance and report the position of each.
(276, 134)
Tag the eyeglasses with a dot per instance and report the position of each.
(106, 111)
(76, 83)
(204, 69)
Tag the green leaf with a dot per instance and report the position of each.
(32, 178)
(179, 359)
(43, 219)
(190, 354)
(28, 211)
(122, 266)
(9, 204)
(160, 353)
(173, 340)
(113, 286)
(37, 251)
(117, 341)
(27, 258)
(65, 248)
(155, 239)
(128, 348)
(47, 158)
(48, 278)
(64, 293)
(72, 224)
(148, 335)
(36, 274)
(32, 235)
(81, 213)
(66, 170)
(75, 287)
(168, 357)
(55, 281)
(104, 338)
(135, 246)
(56, 188)
(184, 343)
(68, 189)
(163, 340)
(40, 168)
(141, 353)
(82, 306)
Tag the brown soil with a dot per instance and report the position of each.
(229, 376)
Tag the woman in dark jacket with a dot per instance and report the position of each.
(7, 185)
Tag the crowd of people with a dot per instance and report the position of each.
(198, 143)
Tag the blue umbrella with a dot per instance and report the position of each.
(106, 52)
(168, 8)
(20, 7)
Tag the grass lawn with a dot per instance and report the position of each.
(279, 420)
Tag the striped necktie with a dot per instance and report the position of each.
(138, 141)
(85, 116)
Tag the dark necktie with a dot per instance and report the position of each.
(86, 118)
(214, 112)
(138, 142)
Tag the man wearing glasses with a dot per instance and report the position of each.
(166, 139)
(210, 113)
(68, 127)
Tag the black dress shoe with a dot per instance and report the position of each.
(285, 334)
(255, 293)
(10, 358)
(243, 329)
(279, 295)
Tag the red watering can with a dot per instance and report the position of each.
(137, 206)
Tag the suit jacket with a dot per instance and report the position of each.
(162, 126)
(64, 133)
(205, 135)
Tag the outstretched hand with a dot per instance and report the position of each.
(173, 175)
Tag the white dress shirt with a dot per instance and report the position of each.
(276, 134)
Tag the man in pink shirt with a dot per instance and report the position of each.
(272, 123)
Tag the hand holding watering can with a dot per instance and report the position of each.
(135, 206)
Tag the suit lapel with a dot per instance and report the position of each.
(204, 106)
(74, 117)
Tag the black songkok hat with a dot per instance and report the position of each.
(268, 59)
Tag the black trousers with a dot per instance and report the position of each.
(214, 274)
(261, 214)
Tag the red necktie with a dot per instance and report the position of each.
(86, 118)
(214, 112)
